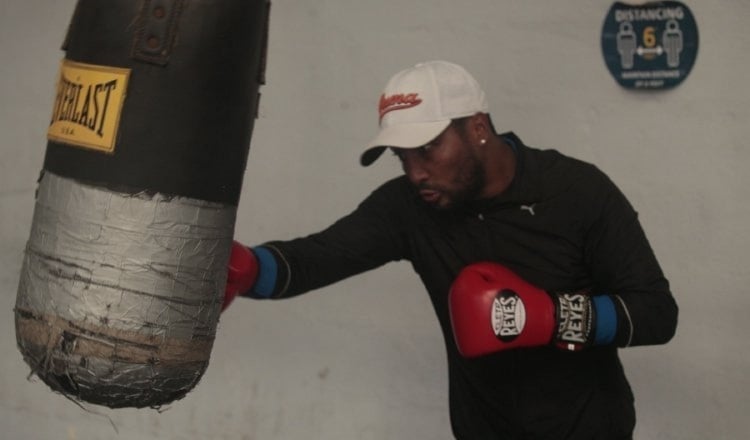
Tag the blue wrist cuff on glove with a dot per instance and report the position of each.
(606, 319)
(267, 273)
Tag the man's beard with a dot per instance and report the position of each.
(466, 187)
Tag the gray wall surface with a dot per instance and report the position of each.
(363, 359)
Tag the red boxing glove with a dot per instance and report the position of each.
(493, 309)
(242, 273)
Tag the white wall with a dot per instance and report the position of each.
(363, 359)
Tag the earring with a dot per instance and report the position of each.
(482, 141)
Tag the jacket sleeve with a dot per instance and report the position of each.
(368, 237)
(623, 265)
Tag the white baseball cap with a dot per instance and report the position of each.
(418, 103)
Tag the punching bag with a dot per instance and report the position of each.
(124, 270)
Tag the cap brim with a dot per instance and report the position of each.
(402, 136)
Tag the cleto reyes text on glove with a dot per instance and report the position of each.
(493, 309)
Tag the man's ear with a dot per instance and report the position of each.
(478, 129)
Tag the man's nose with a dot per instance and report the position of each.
(414, 167)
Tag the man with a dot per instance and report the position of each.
(536, 264)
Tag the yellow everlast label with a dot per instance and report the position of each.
(88, 105)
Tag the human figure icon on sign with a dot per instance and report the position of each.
(626, 44)
(672, 41)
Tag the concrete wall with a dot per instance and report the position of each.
(363, 359)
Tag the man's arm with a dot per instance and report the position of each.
(369, 237)
(623, 265)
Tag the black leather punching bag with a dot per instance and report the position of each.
(124, 270)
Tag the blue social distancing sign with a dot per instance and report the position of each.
(651, 45)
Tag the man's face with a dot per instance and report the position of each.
(447, 171)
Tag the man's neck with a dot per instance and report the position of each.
(500, 167)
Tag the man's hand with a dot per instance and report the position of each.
(493, 309)
(242, 273)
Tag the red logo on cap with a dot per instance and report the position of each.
(398, 101)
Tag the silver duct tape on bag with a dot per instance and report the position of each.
(120, 295)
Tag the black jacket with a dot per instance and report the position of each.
(562, 225)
